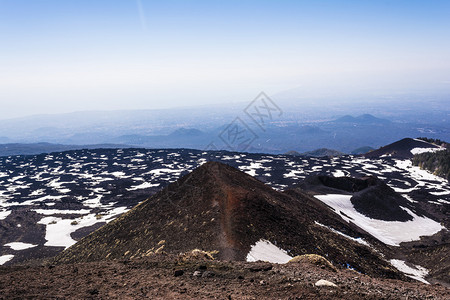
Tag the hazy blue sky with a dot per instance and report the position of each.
(60, 56)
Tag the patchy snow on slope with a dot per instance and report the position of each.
(143, 186)
(293, 174)
(358, 240)
(19, 245)
(49, 212)
(251, 170)
(389, 232)
(266, 251)
(416, 272)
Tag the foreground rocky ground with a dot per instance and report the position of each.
(172, 277)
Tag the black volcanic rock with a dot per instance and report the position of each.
(219, 208)
(323, 184)
(379, 201)
(400, 149)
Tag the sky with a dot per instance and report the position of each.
(64, 56)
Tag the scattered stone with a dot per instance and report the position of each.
(178, 273)
(93, 292)
(208, 274)
(197, 274)
(323, 282)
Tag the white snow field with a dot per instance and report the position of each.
(58, 230)
(389, 232)
(266, 251)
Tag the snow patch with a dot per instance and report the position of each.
(5, 258)
(4, 214)
(416, 272)
(266, 251)
(338, 173)
(19, 245)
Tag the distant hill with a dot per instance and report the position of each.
(362, 150)
(405, 148)
(362, 119)
(293, 153)
(183, 132)
(38, 148)
(323, 152)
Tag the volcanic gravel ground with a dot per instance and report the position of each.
(163, 277)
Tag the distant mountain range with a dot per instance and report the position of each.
(197, 128)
